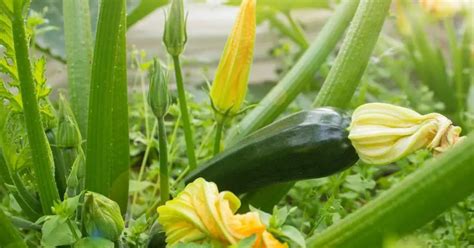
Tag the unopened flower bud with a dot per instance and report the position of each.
(102, 217)
(158, 96)
(175, 36)
(68, 135)
(230, 83)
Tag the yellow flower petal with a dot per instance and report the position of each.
(384, 133)
(201, 213)
(230, 83)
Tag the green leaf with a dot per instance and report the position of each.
(294, 235)
(57, 232)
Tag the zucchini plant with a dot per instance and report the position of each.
(67, 179)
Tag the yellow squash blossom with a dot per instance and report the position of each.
(202, 213)
(230, 83)
(442, 8)
(383, 133)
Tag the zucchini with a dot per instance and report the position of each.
(308, 144)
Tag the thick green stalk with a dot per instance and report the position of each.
(164, 177)
(78, 39)
(43, 165)
(188, 132)
(9, 236)
(107, 163)
(218, 137)
(278, 99)
(350, 64)
(409, 205)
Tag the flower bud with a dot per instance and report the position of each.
(68, 135)
(384, 133)
(230, 83)
(175, 36)
(158, 97)
(102, 217)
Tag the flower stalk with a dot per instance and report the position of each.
(175, 38)
(230, 84)
(159, 101)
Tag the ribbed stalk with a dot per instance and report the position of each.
(107, 163)
(188, 132)
(9, 236)
(410, 204)
(43, 166)
(350, 64)
(78, 39)
(278, 99)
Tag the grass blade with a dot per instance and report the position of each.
(43, 165)
(107, 139)
(413, 202)
(278, 99)
(78, 38)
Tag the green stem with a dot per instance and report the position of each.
(24, 224)
(408, 205)
(298, 30)
(9, 236)
(164, 177)
(218, 137)
(278, 99)
(289, 32)
(350, 64)
(188, 133)
(42, 159)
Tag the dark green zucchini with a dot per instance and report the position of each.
(305, 145)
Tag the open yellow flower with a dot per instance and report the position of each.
(383, 133)
(202, 213)
(230, 83)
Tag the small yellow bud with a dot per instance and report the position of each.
(202, 213)
(230, 83)
(383, 133)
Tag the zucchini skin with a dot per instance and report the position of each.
(305, 145)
